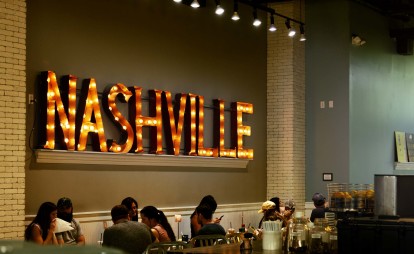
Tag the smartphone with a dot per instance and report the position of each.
(221, 217)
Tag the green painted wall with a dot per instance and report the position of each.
(327, 78)
(381, 98)
(372, 88)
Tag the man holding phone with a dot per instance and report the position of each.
(209, 227)
(195, 225)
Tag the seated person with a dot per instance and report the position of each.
(271, 211)
(132, 206)
(208, 226)
(320, 209)
(277, 202)
(132, 237)
(289, 209)
(206, 200)
(156, 220)
(42, 229)
(65, 212)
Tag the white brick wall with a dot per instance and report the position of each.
(12, 117)
(286, 109)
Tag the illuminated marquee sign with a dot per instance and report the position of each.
(65, 124)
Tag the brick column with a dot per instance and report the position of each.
(286, 109)
(12, 117)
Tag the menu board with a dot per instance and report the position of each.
(400, 146)
(409, 138)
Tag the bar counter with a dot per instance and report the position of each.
(233, 248)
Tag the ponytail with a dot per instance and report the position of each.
(166, 225)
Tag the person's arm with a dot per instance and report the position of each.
(60, 242)
(53, 240)
(194, 223)
(51, 233)
(36, 235)
(217, 220)
(288, 213)
(313, 215)
(59, 238)
(156, 235)
(80, 240)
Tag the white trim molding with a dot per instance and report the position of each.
(131, 159)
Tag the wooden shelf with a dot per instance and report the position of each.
(130, 159)
(404, 165)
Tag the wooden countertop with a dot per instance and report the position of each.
(233, 248)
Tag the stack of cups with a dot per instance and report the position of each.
(331, 218)
(272, 235)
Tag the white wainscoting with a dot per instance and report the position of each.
(92, 223)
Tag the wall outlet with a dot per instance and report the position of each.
(322, 104)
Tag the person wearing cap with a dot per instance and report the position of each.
(320, 209)
(270, 212)
(65, 212)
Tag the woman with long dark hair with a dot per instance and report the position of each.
(42, 229)
(132, 206)
(156, 220)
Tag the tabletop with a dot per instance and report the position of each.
(233, 248)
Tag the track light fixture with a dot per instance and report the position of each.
(195, 4)
(255, 5)
(219, 9)
(256, 21)
(302, 26)
(235, 16)
(235, 11)
(272, 26)
(291, 30)
(302, 33)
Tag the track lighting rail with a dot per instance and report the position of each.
(256, 21)
(269, 10)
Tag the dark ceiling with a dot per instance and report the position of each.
(400, 14)
(402, 10)
(401, 21)
(398, 10)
